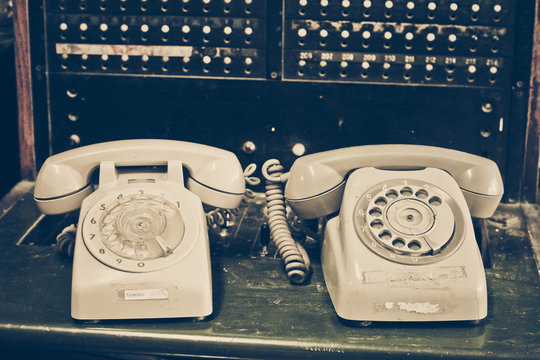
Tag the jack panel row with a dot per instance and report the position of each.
(462, 12)
(208, 31)
(235, 8)
(398, 37)
(179, 61)
(400, 68)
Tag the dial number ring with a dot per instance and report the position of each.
(140, 229)
(409, 221)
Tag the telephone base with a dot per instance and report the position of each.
(386, 292)
(138, 296)
(183, 290)
(376, 284)
(141, 250)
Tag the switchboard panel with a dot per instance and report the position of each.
(465, 43)
(187, 38)
(271, 78)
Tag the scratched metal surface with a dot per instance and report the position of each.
(257, 313)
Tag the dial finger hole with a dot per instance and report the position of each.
(422, 194)
(109, 219)
(127, 245)
(108, 228)
(381, 202)
(399, 243)
(435, 201)
(377, 224)
(376, 212)
(414, 245)
(141, 250)
(406, 191)
(392, 194)
(385, 235)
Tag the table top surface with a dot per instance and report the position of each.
(257, 312)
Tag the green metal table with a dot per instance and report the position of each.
(257, 312)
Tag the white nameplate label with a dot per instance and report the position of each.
(146, 294)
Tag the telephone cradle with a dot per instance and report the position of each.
(402, 247)
(141, 249)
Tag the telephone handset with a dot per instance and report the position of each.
(213, 174)
(403, 246)
(141, 249)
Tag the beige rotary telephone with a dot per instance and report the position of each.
(403, 246)
(141, 249)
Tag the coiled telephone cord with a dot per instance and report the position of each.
(295, 257)
(219, 218)
(65, 241)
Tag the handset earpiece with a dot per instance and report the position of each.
(211, 191)
(60, 188)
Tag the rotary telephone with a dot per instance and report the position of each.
(403, 246)
(141, 248)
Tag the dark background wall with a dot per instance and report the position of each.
(9, 148)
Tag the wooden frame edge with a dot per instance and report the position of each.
(24, 89)
(530, 174)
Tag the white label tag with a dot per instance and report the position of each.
(146, 294)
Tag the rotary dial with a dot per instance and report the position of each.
(140, 229)
(408, 221)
